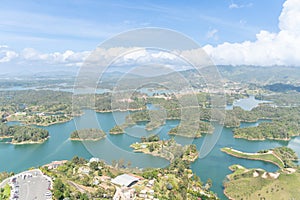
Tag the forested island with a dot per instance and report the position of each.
(283, 122)
(116, 130)
(189, 130)
(45, 110)
(23, 134)
(167, 149)
(87, 134)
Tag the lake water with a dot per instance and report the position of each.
(114, 147)
(246, 103)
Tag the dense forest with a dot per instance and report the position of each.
(23, 134)
(192, 130)
(87, 134)
(116, 130)
(281, 87)
(287, 99)
(284, 125)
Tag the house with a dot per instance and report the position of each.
(84, 170)
(125, 180)
(94, 160)
(55, 164)
(143, 194)
(150, 183)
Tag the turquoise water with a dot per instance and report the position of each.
(58, 147)
(215, 165)
(114, 147)
(246, 103)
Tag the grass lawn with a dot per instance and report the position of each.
(6, 193)
(285, 187)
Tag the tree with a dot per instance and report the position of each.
(114, 163)
(151, 148)
(94, 165)
(86, 181)
(169, 186)
(75, 160)
(67, 193)
(172, 196)
(209, 183)
(121, 163)
(58, 188)
(58, 185)
(128, 164)
(84, 196)
(58, 195)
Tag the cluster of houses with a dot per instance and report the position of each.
(127, 191)
(124, 183)
(55, 164)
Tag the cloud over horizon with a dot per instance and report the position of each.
(268, 49)
(30, 56)
(281, 48)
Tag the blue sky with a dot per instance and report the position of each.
(233, 32)
(82, 24)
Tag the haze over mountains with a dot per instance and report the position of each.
(243, 74)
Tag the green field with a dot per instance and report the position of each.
(246, 187)
(5, 192)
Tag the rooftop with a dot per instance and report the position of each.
(125, 180)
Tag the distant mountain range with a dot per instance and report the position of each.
(261, 75)
(270, 77)
(280, 87)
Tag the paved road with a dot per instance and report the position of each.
(29, 185)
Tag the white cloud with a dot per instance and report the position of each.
(118, 57)
(31, 56)
(7, 55)
(234, 5)
(268, 49)
(212, 34)
(141, 56)
(100, 57)
(281, 48)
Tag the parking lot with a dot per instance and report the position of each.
(30, 185)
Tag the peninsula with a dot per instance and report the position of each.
(23, 134)
(283, 157)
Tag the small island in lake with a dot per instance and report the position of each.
(87, 134)
(116, 130)
(23, 134)
(167, 149)
(189, 130)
